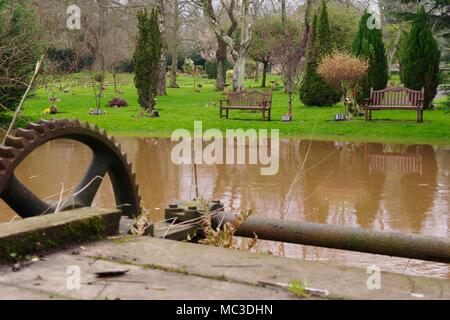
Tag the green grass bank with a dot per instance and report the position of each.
(182, 106)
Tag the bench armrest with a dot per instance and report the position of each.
(367, 101)
(267, 103)
(420, 103)
(222, 101)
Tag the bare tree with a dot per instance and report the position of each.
(288, 53)
(238, 44)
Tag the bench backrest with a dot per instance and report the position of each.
(396, 97)
(248, 98)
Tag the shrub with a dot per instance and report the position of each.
(211, 69)
(66, 60)
(342, 71)
(20, 49)
(99, 77)
(118, 103)
(125, 66)
(188, 66)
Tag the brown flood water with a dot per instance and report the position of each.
(374, 186)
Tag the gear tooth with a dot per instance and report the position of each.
(3, 164)
(118, 145)
(15, 142)
(65, 123)
(7, 152)
(62, 123)
(76, 123)
(50, 124)
(112, 139)
(39, 128)
(25, 133)
(105, 134)
(93, 127)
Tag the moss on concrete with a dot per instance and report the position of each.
(18, 246)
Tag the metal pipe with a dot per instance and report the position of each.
(344, 238)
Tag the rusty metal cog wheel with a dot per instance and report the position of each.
(107, 158)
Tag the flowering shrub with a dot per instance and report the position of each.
(342, 71)
(188, 66)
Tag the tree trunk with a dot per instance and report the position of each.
(102, 55)
(221, 56)
(283, 12)
(162, 76)
(239, 72)
(115, 81)
(161, 88)
(240, 51)
(257, 72)
(264, 75)
(290, 104)
(394, 50)
(173, 70)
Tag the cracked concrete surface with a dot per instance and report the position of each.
(163, 269)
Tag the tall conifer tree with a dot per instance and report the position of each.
(146, 58)
(420, 57)
(313, 90)
(369, 44)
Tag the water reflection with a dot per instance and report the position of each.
(375, 186)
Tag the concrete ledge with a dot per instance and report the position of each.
(163, 269)
(55, 231)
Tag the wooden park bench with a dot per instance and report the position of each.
(247, 100)
(394, 99)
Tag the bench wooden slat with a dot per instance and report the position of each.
(248, 100)
(395, 99)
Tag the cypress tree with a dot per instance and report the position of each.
(313, 90)
(369, 44)
(420, 57)
(146, 59)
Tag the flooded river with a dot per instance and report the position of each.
(374, 186)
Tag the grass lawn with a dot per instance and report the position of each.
(181, 107)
